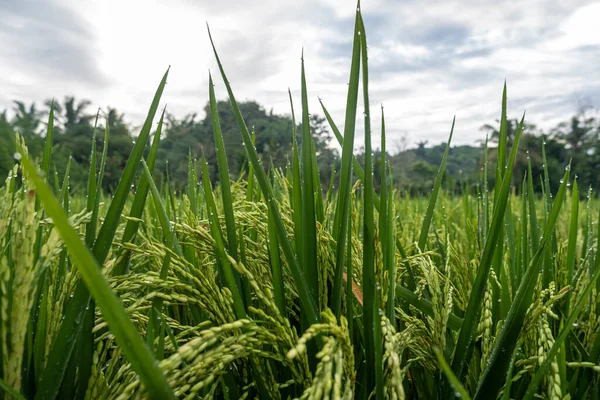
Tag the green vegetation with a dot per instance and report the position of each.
(273, 284)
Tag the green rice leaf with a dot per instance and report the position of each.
(434, 194)
(371, 316)
(459, 389)
(113, 311)
(308, 305)
(139, 201)
(497, 365)
(226, 267)
(72, 323)
(342, 210)
(473, 307)
(309, 230)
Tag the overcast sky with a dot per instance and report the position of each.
(429, 60)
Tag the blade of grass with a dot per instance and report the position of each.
(497, 365)
(10, 391)
(473, 307)
(224, 182)
(308, 305)
(459, 389)
(338, 135)
(594, 355)
(109, 227)
(139, 202)
(567, 327)
(535, 236)
(572, 244)
(309, 230)
(71, 326)
(113, 311)
(296, 189)
(434, 194)
(170, 240)
(90, 229)
(318, 189)
(276, 271)
(371, 316)
(386, 226)
(227, 269)
(342, 211)
(85, 350)
(192, 182)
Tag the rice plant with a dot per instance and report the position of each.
(262, 287)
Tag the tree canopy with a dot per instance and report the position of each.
(576, 140)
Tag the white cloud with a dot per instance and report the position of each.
(427, 63)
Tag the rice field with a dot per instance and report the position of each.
(271, 286)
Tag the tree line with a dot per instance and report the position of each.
(576, 140)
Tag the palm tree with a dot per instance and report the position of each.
(26, 120)
(76, 121)
(511, 130)
(578, 132)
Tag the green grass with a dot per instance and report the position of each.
(261, 287)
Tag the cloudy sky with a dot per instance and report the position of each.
(428, 60)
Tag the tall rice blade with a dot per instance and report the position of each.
(90, 229)
(39, 324)
(47, 157)
(172, 243)
(458, 388)
(524, 236)
(113, 311)
(170, 237)
(434, 194)
(223, 173)
(226, 267)
(296, 202)
(349, 283)
(386, 226)
(547, 273)
(319, 207)
(250, 187)
(473, 307)
(562, 335)
(309, 230)
(594, 355)
(484, 196)
(10, 391)
(304, 292)
(245, 287)
(342, 210)
(81, 360)
(139, 202)
(535, 236)
(572, 244)
(64, 190)
(331, 181)
(71, 325)
(371, 316)
(225, 184)
(276, 270)
(111, 221)
(355, 163)
(497, 365)
(39, 301)
(92, 226)
(192, 182)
